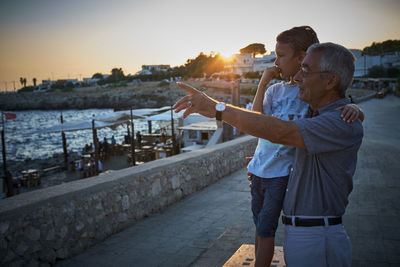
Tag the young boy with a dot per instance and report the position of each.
(271, 164)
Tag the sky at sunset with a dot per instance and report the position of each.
(76, 38)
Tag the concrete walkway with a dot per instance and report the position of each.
(206, 228)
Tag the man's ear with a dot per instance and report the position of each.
(332, 81)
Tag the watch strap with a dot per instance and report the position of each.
(218, 115)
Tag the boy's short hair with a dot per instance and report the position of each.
(299, 38)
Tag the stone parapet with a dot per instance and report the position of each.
(57, 222)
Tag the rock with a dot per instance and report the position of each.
(64, 231)
(62, 253)
(32, 233)
(156, 188)
(17, 263)
(50, 235)
(175, 181)
(125, 202)
(33, 263)
(48, 255)
(3, 244)
(122, 217)
(21, 248)
(79, 226)
(4, 227)
(9, 257)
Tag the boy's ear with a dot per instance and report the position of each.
(301, 56)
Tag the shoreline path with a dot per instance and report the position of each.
(207, 227)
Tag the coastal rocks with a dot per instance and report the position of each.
(146, 96)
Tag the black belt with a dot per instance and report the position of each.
(311, 222)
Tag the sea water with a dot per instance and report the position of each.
(22, 143)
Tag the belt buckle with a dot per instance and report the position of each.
(294, 220)
(326, 221)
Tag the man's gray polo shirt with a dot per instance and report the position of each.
(322, 176)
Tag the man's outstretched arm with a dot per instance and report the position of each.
(253, 123)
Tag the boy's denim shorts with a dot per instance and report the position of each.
(266, 204)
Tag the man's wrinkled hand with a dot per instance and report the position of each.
(195, 102)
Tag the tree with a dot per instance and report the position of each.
(97, 75)
(377, 71)
(382, 72)
(204, 64)
(379, 48)
(34, 82)
(21, 80)
(393, 72)
(215, 64)
(195, 67)
(254, 49)
(117, 74)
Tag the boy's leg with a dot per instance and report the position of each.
(267, 221)
(255, 243)
(265, 251)
(257, 200)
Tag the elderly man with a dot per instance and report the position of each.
(326, 155)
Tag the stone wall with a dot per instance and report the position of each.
(42, 226)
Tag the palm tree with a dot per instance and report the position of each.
(34, 82)
(21, 80)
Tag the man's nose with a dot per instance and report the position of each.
(297, 77)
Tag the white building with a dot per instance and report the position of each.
(364, 62)
(260, 64)
(199, 132)
(149, 69)
(243, 63)
(90, 81)
(45, 85)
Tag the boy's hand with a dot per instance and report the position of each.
(350, 112)
(248, 173)
(268, 74)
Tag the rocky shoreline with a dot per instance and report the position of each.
(148, 95)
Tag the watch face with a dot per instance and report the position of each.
(220, 106)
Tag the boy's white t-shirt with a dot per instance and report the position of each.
(272, 160)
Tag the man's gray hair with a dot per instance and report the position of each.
(338, 60)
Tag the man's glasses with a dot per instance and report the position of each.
(307, 73)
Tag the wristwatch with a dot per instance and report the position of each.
(219, 107)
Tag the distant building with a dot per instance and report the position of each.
(66, 81)
(90, 81)
(260, 64)
(364, 62)
(45, 85)
(149, 69)
(243, 63)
